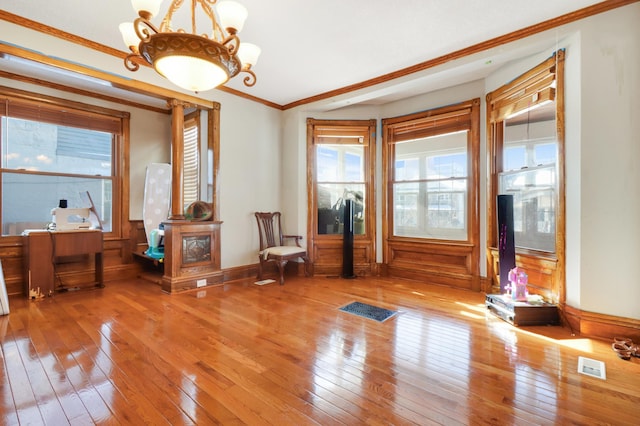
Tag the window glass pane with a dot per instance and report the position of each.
(340, 172)
(534, 206)
(191, 163)
(27, 199)
(515, 157)
(530, 156)
(340, 163)
(407, 169)
(353, 165)
(405, 210)
(35, 146)
(430, 192)
(546, 153)
(437, 213)
(448, 165)
(331, 202)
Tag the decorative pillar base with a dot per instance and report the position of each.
(192, 255)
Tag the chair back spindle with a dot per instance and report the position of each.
(272, 247)
(269, 228)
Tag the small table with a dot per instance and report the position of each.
(522, 313)
(41, 248)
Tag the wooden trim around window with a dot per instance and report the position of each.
(90, 117)
(325, 251)
(452, 263)
(546, 270)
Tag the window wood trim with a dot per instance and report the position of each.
(459, 117)
(533, 86)
(95, 118)
(191, 175)
(454, 263)
(325, 250)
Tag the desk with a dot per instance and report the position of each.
(41, 250)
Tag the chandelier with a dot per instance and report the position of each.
(192, 61)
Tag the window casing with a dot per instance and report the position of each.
(56, 150)
(525, 138)
(191, 159)
(341, 167)
(525, 146)
(430, 187)
(431, 169)
(342, 172)
(530, 175)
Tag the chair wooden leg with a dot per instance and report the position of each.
(259, 268)
(281, 264)
(306, 266)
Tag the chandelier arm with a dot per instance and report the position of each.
(232, 42)
(250, 79)
(142, 27)
(130, 63)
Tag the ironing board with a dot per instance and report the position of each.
(157, 196)
(4, 300)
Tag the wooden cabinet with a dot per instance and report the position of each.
(43, 250)
(192, 255)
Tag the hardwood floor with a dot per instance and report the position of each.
(286, 355)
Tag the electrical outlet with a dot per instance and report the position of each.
(201, 283)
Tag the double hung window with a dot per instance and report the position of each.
(432, 173)
(191, 166)
(55, 150)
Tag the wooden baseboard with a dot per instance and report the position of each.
(600, 326)
(240, 273)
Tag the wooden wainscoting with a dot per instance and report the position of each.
(327, 256)
(12, 266)
(75, 271)
(542, 271)
(450, 264)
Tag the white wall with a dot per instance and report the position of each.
(251, 161)
(150, 143)
(609, 163)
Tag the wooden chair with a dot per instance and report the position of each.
(273, 247)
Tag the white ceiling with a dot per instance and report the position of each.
(311, 47)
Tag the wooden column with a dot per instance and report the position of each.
(177, 159)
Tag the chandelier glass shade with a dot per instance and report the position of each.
(192, 61)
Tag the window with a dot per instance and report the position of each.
(54, 150)
(341, 175)
(429, 168)
(525, 145)
(525, 124)
(191, 160)
(529, 174)
(430, 187)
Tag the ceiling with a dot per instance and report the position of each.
(311, 48)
